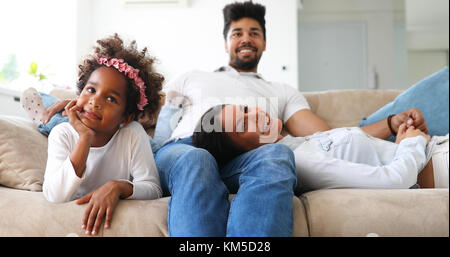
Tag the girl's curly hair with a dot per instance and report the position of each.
(113, 47)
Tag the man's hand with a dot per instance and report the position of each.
(102, 203)
(52, 110)
(412, 117)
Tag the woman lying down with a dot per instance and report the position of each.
(338, 158)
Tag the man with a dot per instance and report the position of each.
(263, 179)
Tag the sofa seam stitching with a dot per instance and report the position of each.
(305, 202)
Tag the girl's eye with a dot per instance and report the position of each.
(90, 90)
(112, 99)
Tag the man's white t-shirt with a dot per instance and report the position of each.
(228, 86)
(126, 157)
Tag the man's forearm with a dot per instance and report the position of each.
(378, 129)
(305, 123)
(412, 117)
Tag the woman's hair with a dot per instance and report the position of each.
(113, 47)
(215, 141)
(235, 11)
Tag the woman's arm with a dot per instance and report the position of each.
(320, 171)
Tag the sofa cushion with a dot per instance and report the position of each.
(26, 213)
(23, 154)
(430, 96)
(379, 212)
(130, 218)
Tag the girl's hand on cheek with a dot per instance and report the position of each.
(73, 112)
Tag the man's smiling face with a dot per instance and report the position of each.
(245, 44)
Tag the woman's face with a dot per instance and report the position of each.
(249, 127)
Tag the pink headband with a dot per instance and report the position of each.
(131, 73)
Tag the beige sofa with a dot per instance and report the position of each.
(332, 212)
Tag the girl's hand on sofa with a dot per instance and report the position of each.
(52, 110)
(102, 202)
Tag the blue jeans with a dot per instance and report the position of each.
(56, 119)
(263, 181)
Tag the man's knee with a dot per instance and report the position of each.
(279, 161)
(197, 156)
(196, 162)
(277, 151)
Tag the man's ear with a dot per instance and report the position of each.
(226, 46)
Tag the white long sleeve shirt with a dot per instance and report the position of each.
(126, 157)
(349, 158)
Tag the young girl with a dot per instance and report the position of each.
(338, 158)
(103, 154)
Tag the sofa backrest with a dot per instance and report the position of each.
(345, 108)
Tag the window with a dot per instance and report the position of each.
(38, 44)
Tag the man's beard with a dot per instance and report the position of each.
(244, 65)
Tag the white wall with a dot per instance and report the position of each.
(427, 24)
(186, 38)
(407, 40)
(383, 33)
(422, 63)
(428, 37)
(59, 33)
